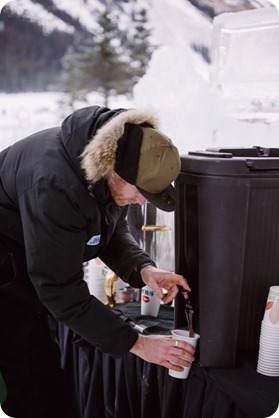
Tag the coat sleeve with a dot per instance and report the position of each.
(54, 236)
(123, 254)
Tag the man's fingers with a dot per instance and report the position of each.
(170, 295)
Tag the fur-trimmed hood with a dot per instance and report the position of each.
(99, 156)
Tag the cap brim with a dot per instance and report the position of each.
(165, 200)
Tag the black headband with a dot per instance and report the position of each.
(128, 153)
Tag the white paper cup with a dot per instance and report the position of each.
(271, 315)
(273, 364)
(150, 303)
(270, 329)
(272, 351)
(269, 355)
(269, 336)
(182, 335)
(268, 366)
(267, 373)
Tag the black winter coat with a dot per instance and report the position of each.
(47, 206)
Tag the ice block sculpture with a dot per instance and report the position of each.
(245, 64)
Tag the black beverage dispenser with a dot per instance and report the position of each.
(227, 246)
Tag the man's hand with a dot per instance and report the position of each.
(161, 350)
(160, 279)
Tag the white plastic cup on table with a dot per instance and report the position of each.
(183, 335)
(150, 303)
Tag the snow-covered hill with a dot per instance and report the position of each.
(66, 16)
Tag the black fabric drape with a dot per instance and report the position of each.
(129, 387)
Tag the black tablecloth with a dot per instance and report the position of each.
(132, 388)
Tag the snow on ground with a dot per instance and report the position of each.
(22, 114)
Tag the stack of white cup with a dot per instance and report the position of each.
(268, 358)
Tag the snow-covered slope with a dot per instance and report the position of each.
(80, 11)
(178, 23)
(35, 12)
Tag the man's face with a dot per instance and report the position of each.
(124, 193)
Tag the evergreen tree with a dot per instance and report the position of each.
(139, 44)
(103, 61)
(110, 61)
(71, 78)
